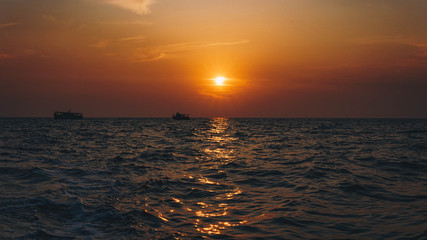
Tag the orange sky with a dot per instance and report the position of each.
(281, 58)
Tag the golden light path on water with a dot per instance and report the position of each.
(210, 211)
(216, 151)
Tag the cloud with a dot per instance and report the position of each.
(49, 18)
(23, 53)
(101, 44)
(5, 56)
(159, 52)
(148, 55)
(137, 6)
(134, 38)
(5, 25)
(397, 52)
(195, 45)
(142, 23)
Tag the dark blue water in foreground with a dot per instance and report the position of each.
(213, 178)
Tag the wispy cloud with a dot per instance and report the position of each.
(224, 43)
(142, 23)
(195, 45)
(5, 56)
(5, 25)
(159, 52)
(49, 18)
(101, 44)
(19, 54)
(137, 6)
(134, 38)
(397, 51)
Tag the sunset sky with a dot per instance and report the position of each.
(278, 58)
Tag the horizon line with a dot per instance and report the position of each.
(210, 117)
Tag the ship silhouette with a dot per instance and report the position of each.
(67, 115)
(181, 116)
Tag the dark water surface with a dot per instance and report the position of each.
(213, 178)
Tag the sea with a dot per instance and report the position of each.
(213, 178)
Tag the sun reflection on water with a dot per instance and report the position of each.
(219, 142)
(207, 201)
(213, 214)
(207, 181)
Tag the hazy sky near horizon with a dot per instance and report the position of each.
(151, 58)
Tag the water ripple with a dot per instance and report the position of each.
(213, 178)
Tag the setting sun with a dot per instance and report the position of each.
(219, 80)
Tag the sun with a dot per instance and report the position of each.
(219, 81)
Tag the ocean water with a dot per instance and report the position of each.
(213, 179)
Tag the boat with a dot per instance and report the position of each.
(67, 115)
(181, 116)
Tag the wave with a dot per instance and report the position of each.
(213, 179)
